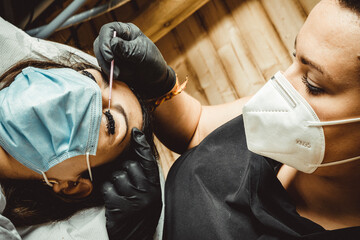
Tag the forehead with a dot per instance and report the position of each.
(331, 36)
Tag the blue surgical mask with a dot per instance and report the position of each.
(48, 116)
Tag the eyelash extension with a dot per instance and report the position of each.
(110, 122)
(310, 88)
(89, 75)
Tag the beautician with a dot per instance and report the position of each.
(282, 165)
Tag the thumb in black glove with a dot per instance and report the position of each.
(133, 198)
(138, 62)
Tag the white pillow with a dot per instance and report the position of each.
(16, 45)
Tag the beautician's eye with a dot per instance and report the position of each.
(294, 54)
(110, 122)
(310, 88)
(89, 75)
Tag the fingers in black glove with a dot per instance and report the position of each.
(104, 42)
(133, 197)
(138, 62)
(147, 160)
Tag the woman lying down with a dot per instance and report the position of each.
(61, 139)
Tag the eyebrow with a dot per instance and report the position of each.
(308, 62)
(120, 109)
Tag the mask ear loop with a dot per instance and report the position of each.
(336, 122)
(88, 165)
(335, 163)
(46, 179)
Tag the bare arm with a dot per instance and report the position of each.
(182, 122)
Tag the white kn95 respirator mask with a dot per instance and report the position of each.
(280, 124)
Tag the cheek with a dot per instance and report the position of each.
(106, 143)
(341, 140)
(136, 117)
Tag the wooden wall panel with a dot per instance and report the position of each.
(231, 47)
(167, 157)
(163, 15)
(205, 61)
(287, 16)
(173, 52)
(264, 43)
(308, 4)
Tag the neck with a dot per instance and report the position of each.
(325, 194)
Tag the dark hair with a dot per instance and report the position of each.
(30, 202)
(354, 5)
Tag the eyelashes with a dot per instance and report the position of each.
(110, 122)
(109, 117)
(310, 88)
(89, 75)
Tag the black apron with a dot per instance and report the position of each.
(221, 190)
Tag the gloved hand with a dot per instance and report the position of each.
(138, 62)
(133, 198)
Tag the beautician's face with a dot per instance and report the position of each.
(326, 72)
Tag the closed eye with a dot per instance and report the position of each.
(89, 75)
(310, 88)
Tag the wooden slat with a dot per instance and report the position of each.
(164, 15)
(308, 4)
(233, 51)
(167, 158)
(204, 60)
(264, 44)
(287, 16)
(176, 58)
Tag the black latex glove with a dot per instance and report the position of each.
(138, 62)
(133, 198)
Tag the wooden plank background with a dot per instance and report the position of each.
(228, 48)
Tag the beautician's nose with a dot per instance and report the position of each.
(294, 74)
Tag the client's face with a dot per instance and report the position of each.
(126, 113)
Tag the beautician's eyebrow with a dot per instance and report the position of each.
(310, 63)
(120, 109)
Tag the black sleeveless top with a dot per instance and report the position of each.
(221, 190)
